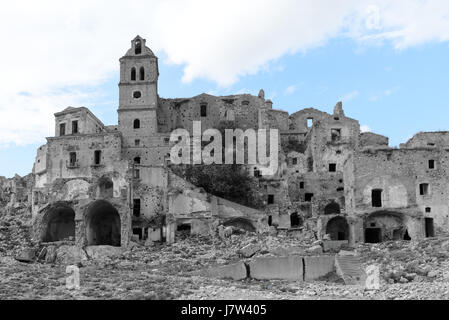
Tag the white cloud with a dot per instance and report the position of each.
(290, 90)
(50, 47)
(365, 128)
(350, 96)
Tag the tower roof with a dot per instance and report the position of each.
(138, 48)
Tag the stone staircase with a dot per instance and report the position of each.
(350, 269)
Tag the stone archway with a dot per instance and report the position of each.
(103, 225)
(338, 228)
(241, 223)
(58, 223)
(332, 208)
(384, 226)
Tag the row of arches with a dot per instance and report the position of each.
(134, 74)
(102, 224)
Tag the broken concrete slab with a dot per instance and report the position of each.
(286, 251)
(249, 250)
(317, 267)
(334, 245)
(103, 252)
(70, 255)
(236, 271)
(282, 268)
(27, 255)
(317, 249)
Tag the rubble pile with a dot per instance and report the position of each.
(408, 261)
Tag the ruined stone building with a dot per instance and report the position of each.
(96, 184)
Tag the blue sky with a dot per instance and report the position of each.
(390, 77)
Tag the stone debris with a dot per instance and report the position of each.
(249, 250)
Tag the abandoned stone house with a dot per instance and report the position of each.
(105, 185)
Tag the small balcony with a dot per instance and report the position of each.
(72, 164)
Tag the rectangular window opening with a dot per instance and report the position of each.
(335, 135)
(62, 129)
(136, 207)
(308, 197)
(97, 159)
(424, 189)
(204, 110)
(74, 127)
(376, 198)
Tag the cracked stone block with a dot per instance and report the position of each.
(317, 267)
(282, 268)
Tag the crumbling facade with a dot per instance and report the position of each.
(105, 185)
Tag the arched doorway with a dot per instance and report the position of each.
(103, 224)
(332, 208)
(338, 228)
(59, 223)
(240, 223)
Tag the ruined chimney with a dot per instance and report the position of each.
(338, 109)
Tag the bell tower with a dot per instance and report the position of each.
(137, 116)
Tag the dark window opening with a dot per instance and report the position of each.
(257, 173)
(309, 122)
(204, 110)
(72, 157)
(338, 151)
(335, 135)
(138, 47)
(308, 197)
(428, 210)
(431, 164)
(340, 189)
(184, 228)
(136, 207)
(133, 74)
(424, 189)
(373, 235)
(295, 161)
(62, 129)
(301, 185)
(137, 94)
(270, 220)
(295, 220)
(74, 127)
(138, 231)
(376, 198)
(245, 103)
(407, 236)
(431, 144)
(270, 199)
(142, 73)
(97, 156)
(137, 160)
(136, 124)
(137, 142)
(332, 167)
(430, 231)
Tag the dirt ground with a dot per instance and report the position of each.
(409, 270)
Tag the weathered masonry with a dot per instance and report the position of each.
(97, 184)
